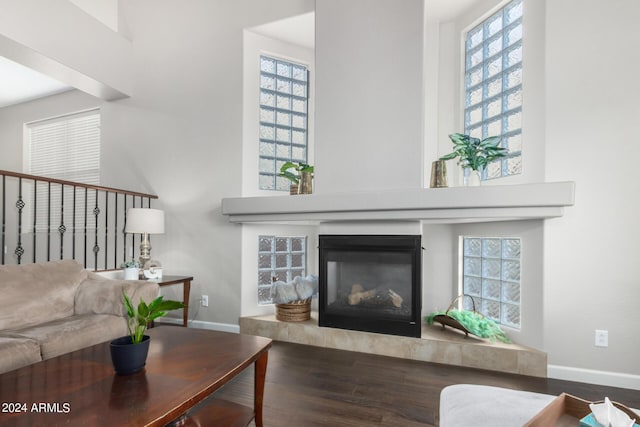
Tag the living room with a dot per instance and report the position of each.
(170, 82)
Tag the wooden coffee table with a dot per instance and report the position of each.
(184, 368)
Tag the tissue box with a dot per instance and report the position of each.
(567, 410)
(590, 421)
(563, 410)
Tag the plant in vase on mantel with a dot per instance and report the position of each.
(475, 154)
(300, 179)
(129, 353)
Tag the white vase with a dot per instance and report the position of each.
(473, 178)
(131, 273)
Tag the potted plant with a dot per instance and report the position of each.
(475, 153)
(129, 353)
(300, 178)
(131, 269)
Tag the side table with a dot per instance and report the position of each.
(186, 289)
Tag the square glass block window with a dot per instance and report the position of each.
(491, 276)
(283, 119)
(493, 85)
(279, 258)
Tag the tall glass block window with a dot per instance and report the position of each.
(283, 119)
(279, 258)
(491, 276)
(493, 85)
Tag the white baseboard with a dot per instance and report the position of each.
(613, 379)
(200, 324)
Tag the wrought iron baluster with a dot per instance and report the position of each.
(4, 213)
(148, 207)
(49, 221)
(115, 233)
(142, 206)
(20, 205)
(124, 235)
(96, 247)
(62, 228)
(35, 218)
(86, 208)
(73, 226)
(106, 228)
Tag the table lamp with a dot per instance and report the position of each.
(145, 221)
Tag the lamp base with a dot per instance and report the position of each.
(145, 253)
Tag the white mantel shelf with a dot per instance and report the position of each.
(441, 205)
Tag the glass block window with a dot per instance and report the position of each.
(279, 258)
(491, 276)
(283, 119)
(493, 86)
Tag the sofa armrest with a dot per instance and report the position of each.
(99, 295)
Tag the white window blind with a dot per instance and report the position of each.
(66, 148)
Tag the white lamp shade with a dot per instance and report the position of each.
(145, 220)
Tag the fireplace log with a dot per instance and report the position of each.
(396, 299)
(372, 297)
(357, 297)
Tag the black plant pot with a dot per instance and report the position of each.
(129, 358)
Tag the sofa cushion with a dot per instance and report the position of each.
(38, 293)
(100, 295)
(73, 333)
(18, 352)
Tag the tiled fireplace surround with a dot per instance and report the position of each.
(436, 344)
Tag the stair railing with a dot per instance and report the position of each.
(44, 219)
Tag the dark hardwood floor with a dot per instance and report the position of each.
(312, 386)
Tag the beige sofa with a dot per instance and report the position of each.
(57, 307)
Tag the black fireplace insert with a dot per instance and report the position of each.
(371, 283)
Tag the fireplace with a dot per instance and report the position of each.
(371, 283)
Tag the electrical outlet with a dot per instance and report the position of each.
(602, 338)
(205, 300)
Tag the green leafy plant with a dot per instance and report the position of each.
(297, 167)
(140, 317)
(130, 264)
(475, 153)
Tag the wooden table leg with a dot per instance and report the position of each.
(186, 290)
(258, 393)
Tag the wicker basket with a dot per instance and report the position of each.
(296, 311)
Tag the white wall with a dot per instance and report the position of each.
(105, 11)
(369, 95)
(180, 134)
(592, 274)
(253, 46)
(450, 57)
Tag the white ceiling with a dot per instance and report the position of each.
(20, 84)
(446, 10)
(300, 30)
